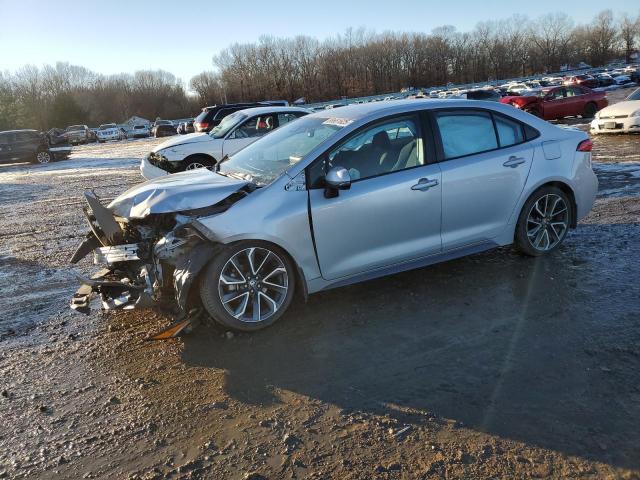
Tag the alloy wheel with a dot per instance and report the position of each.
(253, 284)
(547, 222)
(43, 157)
(194, 165)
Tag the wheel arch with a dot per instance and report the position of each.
(562, 185)
(200, 154)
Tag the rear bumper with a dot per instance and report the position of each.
(615, 125)
(150, 171)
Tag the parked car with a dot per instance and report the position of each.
(30, 146)
(581, 80)
(623, 117)
(59, 146)
(109, 131)
(622, 79)
(337, 198)
(163, 128)
(559, 102)
(210, 117)
(186, 127)
(140, 131)
(77, 134)
(604, 80)
(483, 94)
(517, 89)
(200, 150)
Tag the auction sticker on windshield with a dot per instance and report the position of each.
(338, 122)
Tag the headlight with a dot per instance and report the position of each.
(516, 105)
(636, 113)
(597, 115)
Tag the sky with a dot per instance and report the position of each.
(182, 36)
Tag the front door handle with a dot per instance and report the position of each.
(424, 184)
(513, 162)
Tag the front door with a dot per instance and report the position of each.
(484, 170)
(556, 104)
(248, 132)
(391, 213)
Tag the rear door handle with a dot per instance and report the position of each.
(424, 184)
(513, 162)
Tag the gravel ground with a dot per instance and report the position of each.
(491, 366)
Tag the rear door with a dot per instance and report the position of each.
(485, 162)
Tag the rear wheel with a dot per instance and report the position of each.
(533, 111)
(248, 286)
(544, 221)
(590, 110)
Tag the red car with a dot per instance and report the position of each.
(560, 102)
(582, 80)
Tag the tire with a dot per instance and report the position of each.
(43, 157)
(590, 110)
(198, 161)
(248, 294)
(544, 221)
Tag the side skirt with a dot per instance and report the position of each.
(320, 284)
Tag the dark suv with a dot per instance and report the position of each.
(212, 116)
(29, 146)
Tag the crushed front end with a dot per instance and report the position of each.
(145, 262)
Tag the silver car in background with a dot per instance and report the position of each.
(338, 197)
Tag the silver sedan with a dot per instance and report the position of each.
(338, 197)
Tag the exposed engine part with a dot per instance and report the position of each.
(116, 253)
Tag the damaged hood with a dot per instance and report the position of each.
(183, 140)
(174, 193)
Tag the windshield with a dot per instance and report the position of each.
(227, 124)
(634, 96)
(264, 160)
(107, 126)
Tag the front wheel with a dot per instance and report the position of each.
(43, 157)
(198, 161)
(248, 286)
(590, 110)
(544, 221)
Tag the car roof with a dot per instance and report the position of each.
(274, 109)
(355, 112)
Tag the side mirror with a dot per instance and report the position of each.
(337, 178)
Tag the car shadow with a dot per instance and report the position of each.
(543, 351)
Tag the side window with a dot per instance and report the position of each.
(24, 136)
(509, 131)
(383, 148)
(558, 94)
(466, 132)
(574, 91)
(284, 118)
(255, 127)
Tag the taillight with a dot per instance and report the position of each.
(202, 125)
(585, 146)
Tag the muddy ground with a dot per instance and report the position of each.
(491, 366)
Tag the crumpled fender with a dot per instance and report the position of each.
(187, 268)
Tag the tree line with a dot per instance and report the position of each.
(356, 63)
